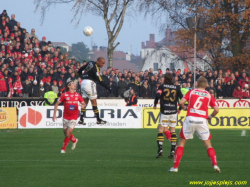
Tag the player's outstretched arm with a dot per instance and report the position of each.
(83, 104)
(81, 69)
(55, 109)
(214, 113)
(182, 104)
(157, 97)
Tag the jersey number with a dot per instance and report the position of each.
(172, 97)
(198, 102)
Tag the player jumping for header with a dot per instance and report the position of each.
(90, 74)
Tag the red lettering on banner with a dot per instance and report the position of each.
(7, 125)
(3, 117)
(242, 103)
(222, 103)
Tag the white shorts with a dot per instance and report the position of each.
(88, 89)
(168, 120)
(195, 124)
(69, 123)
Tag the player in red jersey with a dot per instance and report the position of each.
(70, 101)
(196, 121)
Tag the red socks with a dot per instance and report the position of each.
(72, 138)
(212, 155)
(168, 135)
(179, 152)
(65, 143)
(177, 156)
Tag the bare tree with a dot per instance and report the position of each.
(112, 11)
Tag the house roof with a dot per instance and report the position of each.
(121, 65)
(188, 55)
(116, 54)
(119, 60)
(60, 43)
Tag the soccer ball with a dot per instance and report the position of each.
(88, 31)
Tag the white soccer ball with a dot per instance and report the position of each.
(88, 31)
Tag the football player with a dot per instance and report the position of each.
(70, 101)
(169, 94)
(196, 121)
(90, 74)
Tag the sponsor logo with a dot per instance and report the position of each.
(170, 105)
(230, 121)
(205, 132)
(169, 111)
(201, 94)
(242, 103)
(222, 103)
(67, 98)
(111, 113)
(108, 124)
(21, 103)
(3, 116)
(146, 105)
(200, 112)
(71, 107)
(33, 117)
(196, 122)
(152, 118)
(169, 86)
(227, 118)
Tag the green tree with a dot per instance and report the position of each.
(79, 51)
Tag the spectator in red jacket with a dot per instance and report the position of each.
(245, 91)
(244, 82)
(227, 77)
(237, 92)
(3, 86)
(18, 87)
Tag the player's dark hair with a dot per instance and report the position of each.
(168, 79)
(202, 82)
(100, 58)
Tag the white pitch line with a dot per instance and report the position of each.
(105, 161)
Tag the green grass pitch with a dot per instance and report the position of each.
(116, 158)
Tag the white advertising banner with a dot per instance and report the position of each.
(117, 117)
(222, 103)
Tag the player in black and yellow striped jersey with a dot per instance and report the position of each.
(90, 74)
(169, 94)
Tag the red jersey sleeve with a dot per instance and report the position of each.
(62, 98)
(212, 101)
(187, 96)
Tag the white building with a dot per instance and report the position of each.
(163, 58)
(62, 44)
(165, 54)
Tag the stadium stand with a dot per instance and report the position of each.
(28, 66)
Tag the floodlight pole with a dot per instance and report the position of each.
(195, 26)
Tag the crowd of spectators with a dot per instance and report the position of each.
(221, 84)
(30, 67)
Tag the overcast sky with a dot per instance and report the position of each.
(57, 26)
